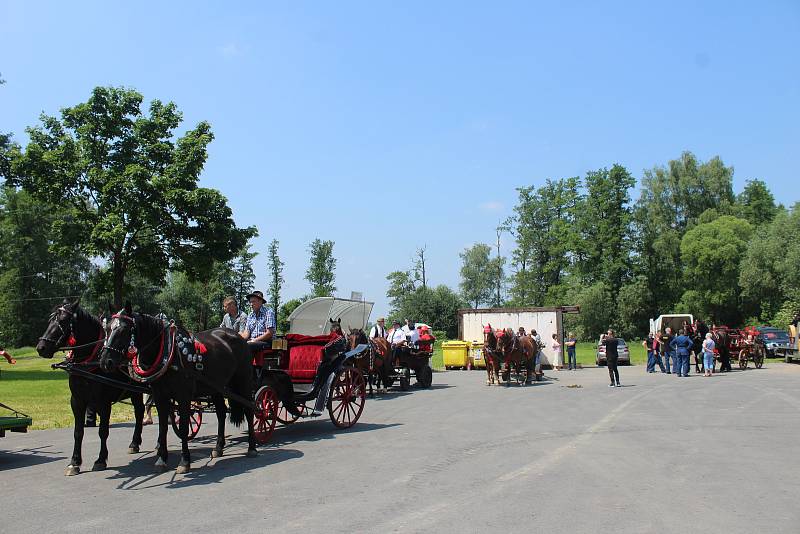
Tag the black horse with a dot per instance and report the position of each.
(180, 367)
(722, 341)
(71, 325)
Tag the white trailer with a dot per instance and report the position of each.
(545, 320)
(673, 321)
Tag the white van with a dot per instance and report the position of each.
(673, 321)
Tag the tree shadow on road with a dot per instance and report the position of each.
(27, 457)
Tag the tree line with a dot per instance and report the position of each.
(103, 203)
(687, 244)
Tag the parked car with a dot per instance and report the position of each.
(622, 349)
(774, 340)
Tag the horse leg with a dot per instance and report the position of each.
(79, 414)
(508, 372)
(163, 407)
(184, 409)
(222, 410)
(105, 418)
(138, 411)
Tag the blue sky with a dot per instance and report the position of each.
(386, 126)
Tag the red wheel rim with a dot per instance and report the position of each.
(265, 415)
(195, 420)
(347, 397)
(284, 417)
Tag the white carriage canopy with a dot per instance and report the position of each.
(311, 318)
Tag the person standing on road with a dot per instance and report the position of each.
(682, 345)
(612, 355)
(708, 355)
(558, 360)
(665, 342)
(571, 357)
(649, 345)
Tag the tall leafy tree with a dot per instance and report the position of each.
(477, 274)
(285, 311)
(275, 268)
(238, 278)
(756, 203)
(131, 186)
(546, 234)
(321, 269)
(32, 279)
(605, 225)
(712, 253)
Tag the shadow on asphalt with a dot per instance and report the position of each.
(26, 458)
(316, 431)
(141, 473)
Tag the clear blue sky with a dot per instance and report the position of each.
(385, 126)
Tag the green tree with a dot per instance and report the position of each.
(130, 185)
(477, 274)
(275, 268)
(437, 306)
(546, 234)
(401, 284)
(322, 264)
(712, 253)
(632, 303)
(196, 304)
(768, 273)
(596, 311)
(756, 203)
(238, 278)
(286, 310)
(604, 220)
(32, 279)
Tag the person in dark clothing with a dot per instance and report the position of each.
(612, 355)
(682, 345)
(653, 356)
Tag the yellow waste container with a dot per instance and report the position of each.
(476, 358)
(454, 354)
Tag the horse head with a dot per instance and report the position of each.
(60, 329)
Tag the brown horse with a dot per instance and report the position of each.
(518, 351)
(372, 364)
(490, 355)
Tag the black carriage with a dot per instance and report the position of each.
(410, 362)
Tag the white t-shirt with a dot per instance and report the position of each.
(397, 336)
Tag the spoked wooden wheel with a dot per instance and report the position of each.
(347, 397)
(195, 419)
(266, 413)
(286, 418)
(743, 361)
(405, 379)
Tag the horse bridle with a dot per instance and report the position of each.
(107, 344)
(64, 334)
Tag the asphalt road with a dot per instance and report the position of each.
(661, 454)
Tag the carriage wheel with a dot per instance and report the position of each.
(195, 419)
(286, 418)
(743, 361)
(347, 397)
(265, 415)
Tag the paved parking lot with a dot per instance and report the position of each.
(661, 454)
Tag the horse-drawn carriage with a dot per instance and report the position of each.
(188, 373)
(737, 345)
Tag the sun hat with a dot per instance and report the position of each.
(258, 294)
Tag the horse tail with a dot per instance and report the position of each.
(237, 413)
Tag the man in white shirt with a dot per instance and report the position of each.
(415, 337)
(397, 337)
(379, 330)
(408, 329)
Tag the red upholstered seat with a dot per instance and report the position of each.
(303, 362)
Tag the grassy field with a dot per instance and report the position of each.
(35, 389)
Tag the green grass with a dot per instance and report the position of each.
(35, 389)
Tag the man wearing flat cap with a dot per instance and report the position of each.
(260, 323)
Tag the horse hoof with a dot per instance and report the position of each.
(160, 463)
(72, 470)
(99, 466)
(183, 469)
(216, 453)
(251, 453)
(133, 449)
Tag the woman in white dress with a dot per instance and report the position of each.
(558, 360)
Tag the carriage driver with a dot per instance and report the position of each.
(397, 339)
(260, 325)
